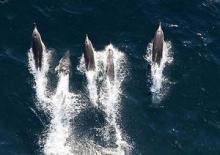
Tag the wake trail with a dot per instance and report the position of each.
(62, 106)
(159, 81)
(65, 107)
(40, 78)
(110, 99)
(91, 77)
(107, 94)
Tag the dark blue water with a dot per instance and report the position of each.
(188, 118)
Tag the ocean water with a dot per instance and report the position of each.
(172, 109)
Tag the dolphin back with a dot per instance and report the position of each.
(158, 46)
(110, 65)
(89, 55)
(37, 48)
(64, 64)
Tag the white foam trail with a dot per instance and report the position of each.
(110, 98)
(60, 129)
(159, 81)
(92, 87)
(65, 106)
(40, 77)
(61, 107)
(91, 79)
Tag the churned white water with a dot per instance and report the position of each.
(40, 78)
(66, 106)
(108, 94)
(62, 106)
(159, 81)
(110, 98)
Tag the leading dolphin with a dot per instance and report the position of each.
(158, 45)
(89, 55)
(37, 47)
(110, 65)
(64, 64)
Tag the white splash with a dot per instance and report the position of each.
(65, 107)
(40, 77)
(62, 106)
(108, 95)
(110, 98)
(159, 81)
(91, 79)
(59, 128)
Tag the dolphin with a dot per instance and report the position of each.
(158, 45)
(89, 55)
(110, 65)
(38, 47)
(64, 64)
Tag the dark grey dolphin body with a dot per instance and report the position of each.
(64, 64)
(37, 47)
(158, 45)
(89, 55)
(110, 66)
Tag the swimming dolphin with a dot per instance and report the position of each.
(110, 65)
(158, 45)
(64, 64)
(89, 55)
(37, 47)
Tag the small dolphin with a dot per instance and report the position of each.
(158, 45)
(89, 55)
(64, 64)
(110, 65)
(37, 47)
